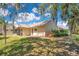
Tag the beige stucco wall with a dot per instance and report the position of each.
(31, 31)
(40, 31)
(8, 30)
(50, 26)
(26, 32)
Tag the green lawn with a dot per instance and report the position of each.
(17, 45)
(75, 37)
(10, 40)
(36, 46)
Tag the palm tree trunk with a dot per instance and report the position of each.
(14, 21)
(5, 33)
(13, 27)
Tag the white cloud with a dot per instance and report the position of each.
(27, 17)
(31, 16)
(35, 10)
(47, 14)
(37, 18)
(62, 25)
(4, 12)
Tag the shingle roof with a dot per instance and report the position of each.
(33, 25)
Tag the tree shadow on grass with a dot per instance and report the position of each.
(24, 46)
(2, 38)
(17, 48)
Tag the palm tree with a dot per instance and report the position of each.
(17, 6)
(54, 12)
(42, 9)
(52, 8)
(3, 25)
(70, 13)
(3, 5)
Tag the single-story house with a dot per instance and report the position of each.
(38, 29)
(1, 28)
(9, 29)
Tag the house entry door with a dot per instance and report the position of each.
(34, 32)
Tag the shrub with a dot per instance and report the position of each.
(0, 33)
(59, 33)
(75, 37)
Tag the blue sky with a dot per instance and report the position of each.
(30, 9)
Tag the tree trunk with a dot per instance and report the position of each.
(13, 27)
(15, 15)
(5, 32)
